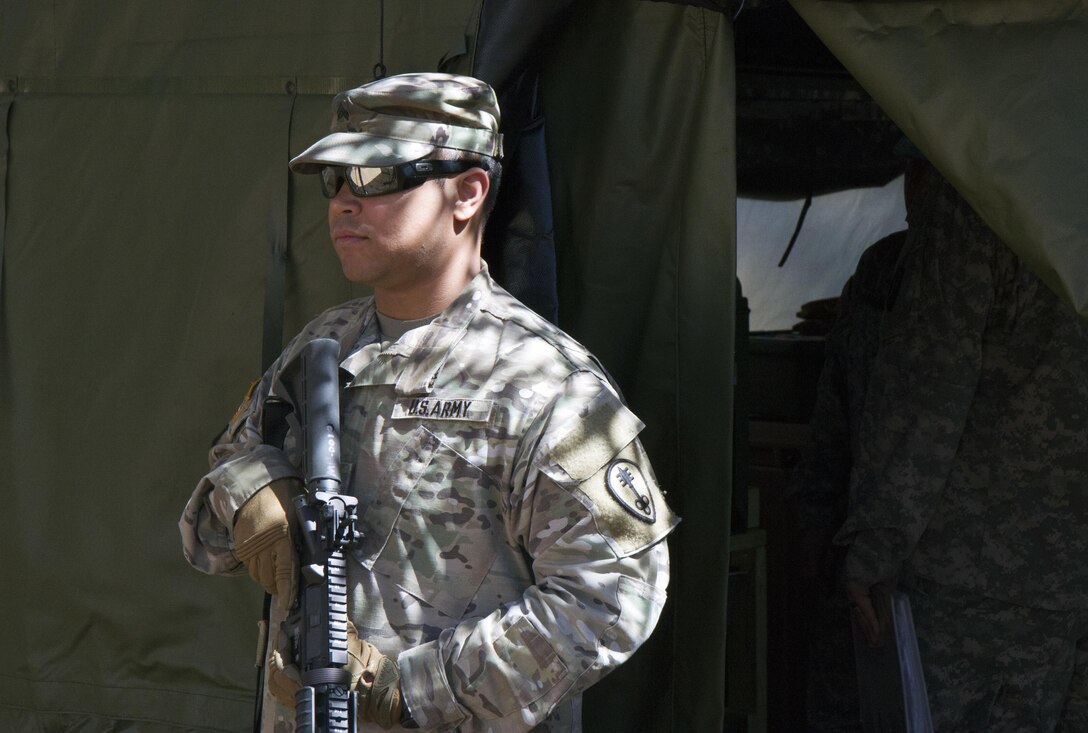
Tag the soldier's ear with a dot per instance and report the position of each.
(471, 188)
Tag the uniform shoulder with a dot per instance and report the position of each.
(343, 323)
(525, 326)
(881, 255)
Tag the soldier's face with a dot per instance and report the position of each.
(393, 241)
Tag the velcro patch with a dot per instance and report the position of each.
(627, 503)
(439, 408)
(596, 437)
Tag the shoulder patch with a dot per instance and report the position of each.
(625, 501)
(624, 480)
(245, 401)
(595, 454)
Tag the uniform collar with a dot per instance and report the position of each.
(414, 361)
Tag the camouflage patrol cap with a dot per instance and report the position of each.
(405, 117)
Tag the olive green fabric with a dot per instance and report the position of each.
(995, 94)
(130, 304)
(146, 185)
(639, 117)
(146, 182)
(7, 94)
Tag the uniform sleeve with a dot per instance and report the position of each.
(600, 565)
(241, 464)
(822, 475)
(924, 379)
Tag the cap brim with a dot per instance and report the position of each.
(357, 148)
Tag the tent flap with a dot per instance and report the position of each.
(994, 94)
(644, 201)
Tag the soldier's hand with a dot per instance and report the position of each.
(864, 605)
(281, 674)
(377, 679)
(264, 529)
(374, 675)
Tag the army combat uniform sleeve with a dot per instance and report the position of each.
(241, 464)
(586, 510)
(822, 477)
(822, 474)
(922, 386)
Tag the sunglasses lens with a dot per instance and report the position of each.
(371, 181)
(363, 181)
(331, 180)
(374, 181)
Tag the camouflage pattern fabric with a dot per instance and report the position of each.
(1000, 668)
(513, 551)
(972, 462)
(405, 117)
(821, 484)
(822, 477)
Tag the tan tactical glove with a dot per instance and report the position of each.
(264, 529)
(374, 675)
(282, 676)
(377, 679)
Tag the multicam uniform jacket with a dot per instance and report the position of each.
(513, 547)
(972, 465)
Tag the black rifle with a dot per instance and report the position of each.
(318, 623)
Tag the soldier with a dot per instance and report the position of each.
(821, 482)
(970, 481)
(822, 478)
(513, 549)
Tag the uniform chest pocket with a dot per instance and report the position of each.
(432, 529)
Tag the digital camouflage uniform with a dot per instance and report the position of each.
(822, 482)
(823, 475)
(971, 476)
(513, 547)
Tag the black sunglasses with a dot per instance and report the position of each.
(376, 181)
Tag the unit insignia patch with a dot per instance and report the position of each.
(628, 486)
